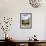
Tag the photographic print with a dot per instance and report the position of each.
(26, 20)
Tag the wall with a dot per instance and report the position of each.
(13, 8)
(45, 28)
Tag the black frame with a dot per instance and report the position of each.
(30, 19)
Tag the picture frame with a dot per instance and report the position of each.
(26, 20)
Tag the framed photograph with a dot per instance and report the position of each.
(25, 20)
